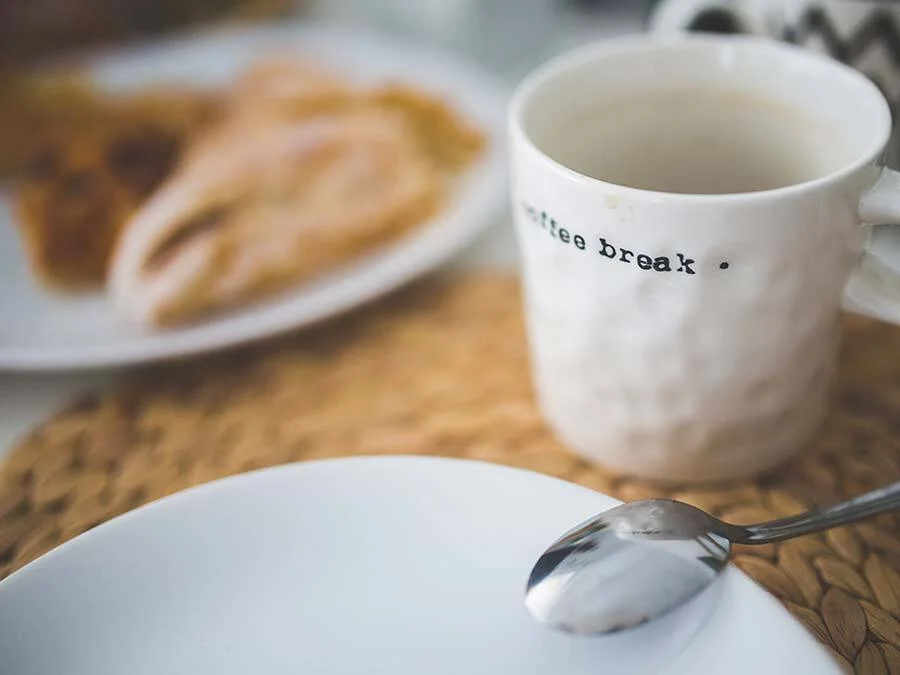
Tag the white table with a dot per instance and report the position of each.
(25, 400)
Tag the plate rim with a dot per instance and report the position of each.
(223, 484)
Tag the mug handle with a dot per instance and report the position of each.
(717, 16)
(874, 287)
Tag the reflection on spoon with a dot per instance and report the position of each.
(643, 559)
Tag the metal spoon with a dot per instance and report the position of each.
(643, 559)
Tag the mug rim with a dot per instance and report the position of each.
(529, 87)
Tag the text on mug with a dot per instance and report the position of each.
(607, 249)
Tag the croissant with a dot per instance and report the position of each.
(264, 201)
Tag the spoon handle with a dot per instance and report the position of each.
(868, 504)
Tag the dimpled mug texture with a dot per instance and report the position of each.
(683, 337)
(681, 376)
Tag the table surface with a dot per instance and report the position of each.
(26, 400)
(168, 428)
(843, 585)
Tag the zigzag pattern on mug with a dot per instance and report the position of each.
(878, 28)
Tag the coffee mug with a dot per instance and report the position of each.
(689, 212)
(862, 33)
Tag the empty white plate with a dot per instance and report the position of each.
(42, 330)
(392, 565)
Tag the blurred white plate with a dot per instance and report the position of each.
(352, 567)
(42, 330)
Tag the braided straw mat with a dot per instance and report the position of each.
(442, 369)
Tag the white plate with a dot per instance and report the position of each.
(41, 330)
(352, 567)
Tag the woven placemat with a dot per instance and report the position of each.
(442, 369)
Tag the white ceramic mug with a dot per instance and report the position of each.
(692, 337)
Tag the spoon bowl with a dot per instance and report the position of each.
(625, 566)
(643, 559)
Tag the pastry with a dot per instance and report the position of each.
(84, 175)
(265, 200)
(33, 104)
(443, 134)
(284, 85)
(303, 173)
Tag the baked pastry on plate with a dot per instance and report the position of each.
(303, 173)
(87, 169)
(259, 203)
